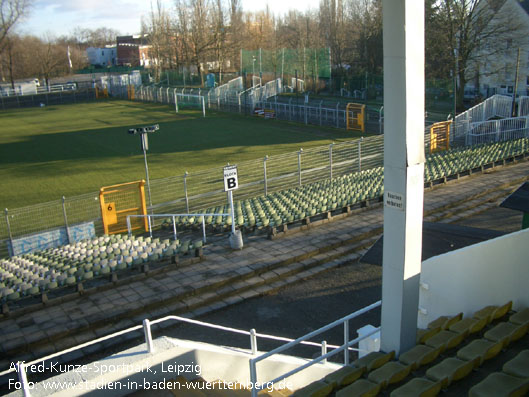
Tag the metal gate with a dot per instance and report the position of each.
(440, 136)
(119, 201)
(356, 116)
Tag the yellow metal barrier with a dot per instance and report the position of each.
(356, 116)
(130, 92)
(440, 136)
(119, 201)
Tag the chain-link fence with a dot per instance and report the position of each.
(200, 190)
(47, 98)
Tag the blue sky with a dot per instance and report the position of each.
(60, 17)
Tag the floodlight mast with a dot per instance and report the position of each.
(143, 131)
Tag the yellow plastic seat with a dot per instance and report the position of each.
(419, 355)
(492, 313)
(344, 376)
(315, 389)
(445, 340)
(374, 360)
(522, 317)
(518, 366)
(499, 384)
(424, 334)
(445, 321)
(479, 350)
(419, 387)
(449, 370)
(468, 326)
(390, 373)
(360, 388)
(506, 333)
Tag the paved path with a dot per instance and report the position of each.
(42, 332)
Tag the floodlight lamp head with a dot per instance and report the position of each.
(144, 130)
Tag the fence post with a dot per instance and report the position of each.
(185, 191)
(321, 103)
(148, 336)
(299, 165)
(360, 154)
(265, 177)
(346, 342)
(337, 112)
(324, 351)
(66, 219)
(204, 228)
(174, 227)
(253, 341)
(9, 231)
(22, 377)
(330, 159)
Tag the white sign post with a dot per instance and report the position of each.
(231, 182)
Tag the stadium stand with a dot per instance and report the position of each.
(448, 354)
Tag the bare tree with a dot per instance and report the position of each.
(475, 32)
(11, 11)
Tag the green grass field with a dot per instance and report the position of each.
(73, 149)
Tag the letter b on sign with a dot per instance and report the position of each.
(231, 183)
(230, 178)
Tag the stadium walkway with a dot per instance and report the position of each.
(226, 277)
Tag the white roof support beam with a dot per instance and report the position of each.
(403, 171)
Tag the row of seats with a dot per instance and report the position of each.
(296, 203)
(43, 271)
(375, 372)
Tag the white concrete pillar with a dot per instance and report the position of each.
(403, 170)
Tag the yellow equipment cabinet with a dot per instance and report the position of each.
(119, 201)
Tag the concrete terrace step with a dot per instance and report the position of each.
(226, 277)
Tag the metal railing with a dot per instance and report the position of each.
(497, 130)
(20, 367)
(495, 106)
(345, 347)
(173, 217)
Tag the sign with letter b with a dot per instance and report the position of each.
(231, 181)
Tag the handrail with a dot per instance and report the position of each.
(149, 216)
(345, 346)
(21, 365)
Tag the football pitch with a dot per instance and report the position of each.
(66, 150)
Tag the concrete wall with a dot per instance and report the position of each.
(466, 280)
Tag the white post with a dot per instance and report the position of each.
(175, 101)
(203, 107)
(403, 22)
(22, 377)
(230, 199)
(253, 341)
(148, 335)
